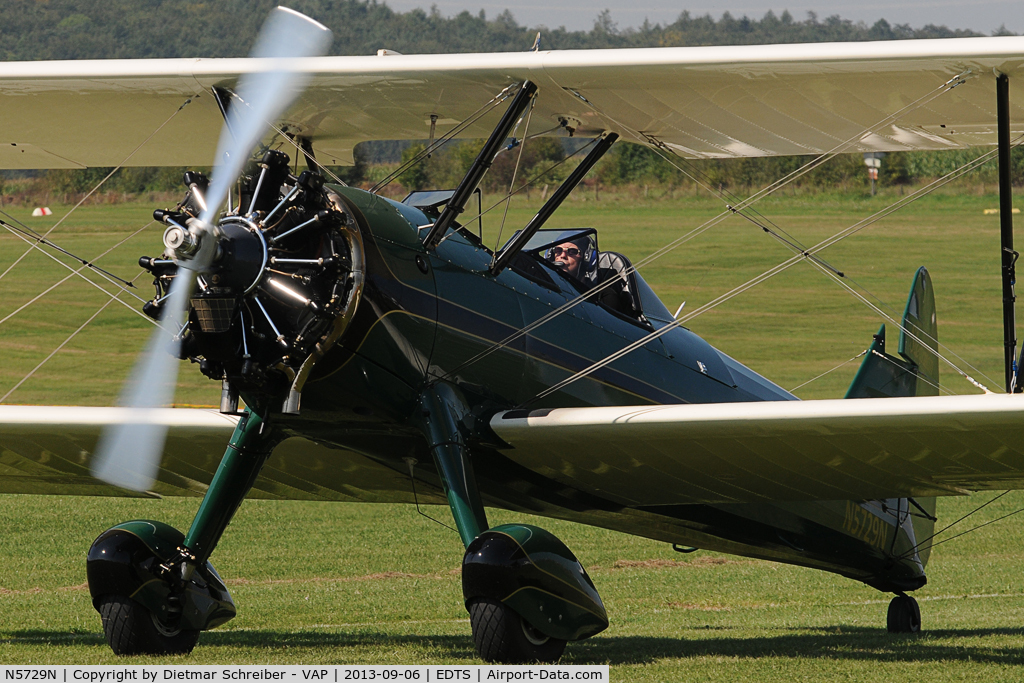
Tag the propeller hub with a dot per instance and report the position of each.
(241, 257)
(181, 242)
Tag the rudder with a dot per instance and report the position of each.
(915, 372)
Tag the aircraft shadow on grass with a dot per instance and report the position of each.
(842, 642)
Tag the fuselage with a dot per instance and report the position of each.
(428, 316)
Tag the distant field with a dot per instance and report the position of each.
(792, 328)
(361, 583)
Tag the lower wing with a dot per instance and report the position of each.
(860, 449)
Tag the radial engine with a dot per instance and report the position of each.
(283, 284)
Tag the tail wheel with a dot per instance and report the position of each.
(131, 629)
(904, 615)
(503, 637)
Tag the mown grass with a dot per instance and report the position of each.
(375, 584)
(352, 583)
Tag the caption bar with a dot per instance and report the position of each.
(295, 673)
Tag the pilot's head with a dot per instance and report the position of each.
(568, 257)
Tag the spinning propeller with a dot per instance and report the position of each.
(128, 455)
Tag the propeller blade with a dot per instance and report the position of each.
(128, 454)
(285, 39)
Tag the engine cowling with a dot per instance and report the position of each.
(284, 283)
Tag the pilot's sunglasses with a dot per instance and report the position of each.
(571, 251)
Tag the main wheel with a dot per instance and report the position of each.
(904, 615)
(131, 629)
(503, 637)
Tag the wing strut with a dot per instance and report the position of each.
(1009, 256)
(559, 196)
(483, 162)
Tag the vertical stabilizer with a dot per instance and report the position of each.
(915, 372)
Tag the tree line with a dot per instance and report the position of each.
(132, 29)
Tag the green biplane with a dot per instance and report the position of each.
(378, 346)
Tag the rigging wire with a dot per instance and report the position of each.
(312, 157)
(927, 381)
(300, 152)
(905, 330)
(485, 109)
(39, 239)
(949, 85)
(100, 184)
(515, 171)
(112, 280)
(845, 362)
(771, 272)
(949, 526)
(980, 526)
(521, 188)
(412, 462)
(60, 346)
(792, 242)
(730, 209)
(79, 273)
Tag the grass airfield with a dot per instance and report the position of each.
(354, 583)
(363, 584)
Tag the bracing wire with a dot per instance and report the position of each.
(100, 184)
(730, 209)
(949, 526)
(59, 347)
(447, 137)
(515, 171)
(528, 183)
(771, 272)
(80, 274)
(411, 462)
(980, 526)
(31, 234)
(827, 372)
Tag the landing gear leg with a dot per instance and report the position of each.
(526, 593)
(443, 409)
(904, 615)
(251, 444)
(153, 586)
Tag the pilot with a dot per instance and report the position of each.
(566, 257)
(575, 258)
(580, 260)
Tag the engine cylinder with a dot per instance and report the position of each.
(285, 281)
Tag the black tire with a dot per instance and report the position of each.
(131, 629)
(904, 615)
(502, 637)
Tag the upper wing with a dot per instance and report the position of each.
(706, 102)
(860, 449)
